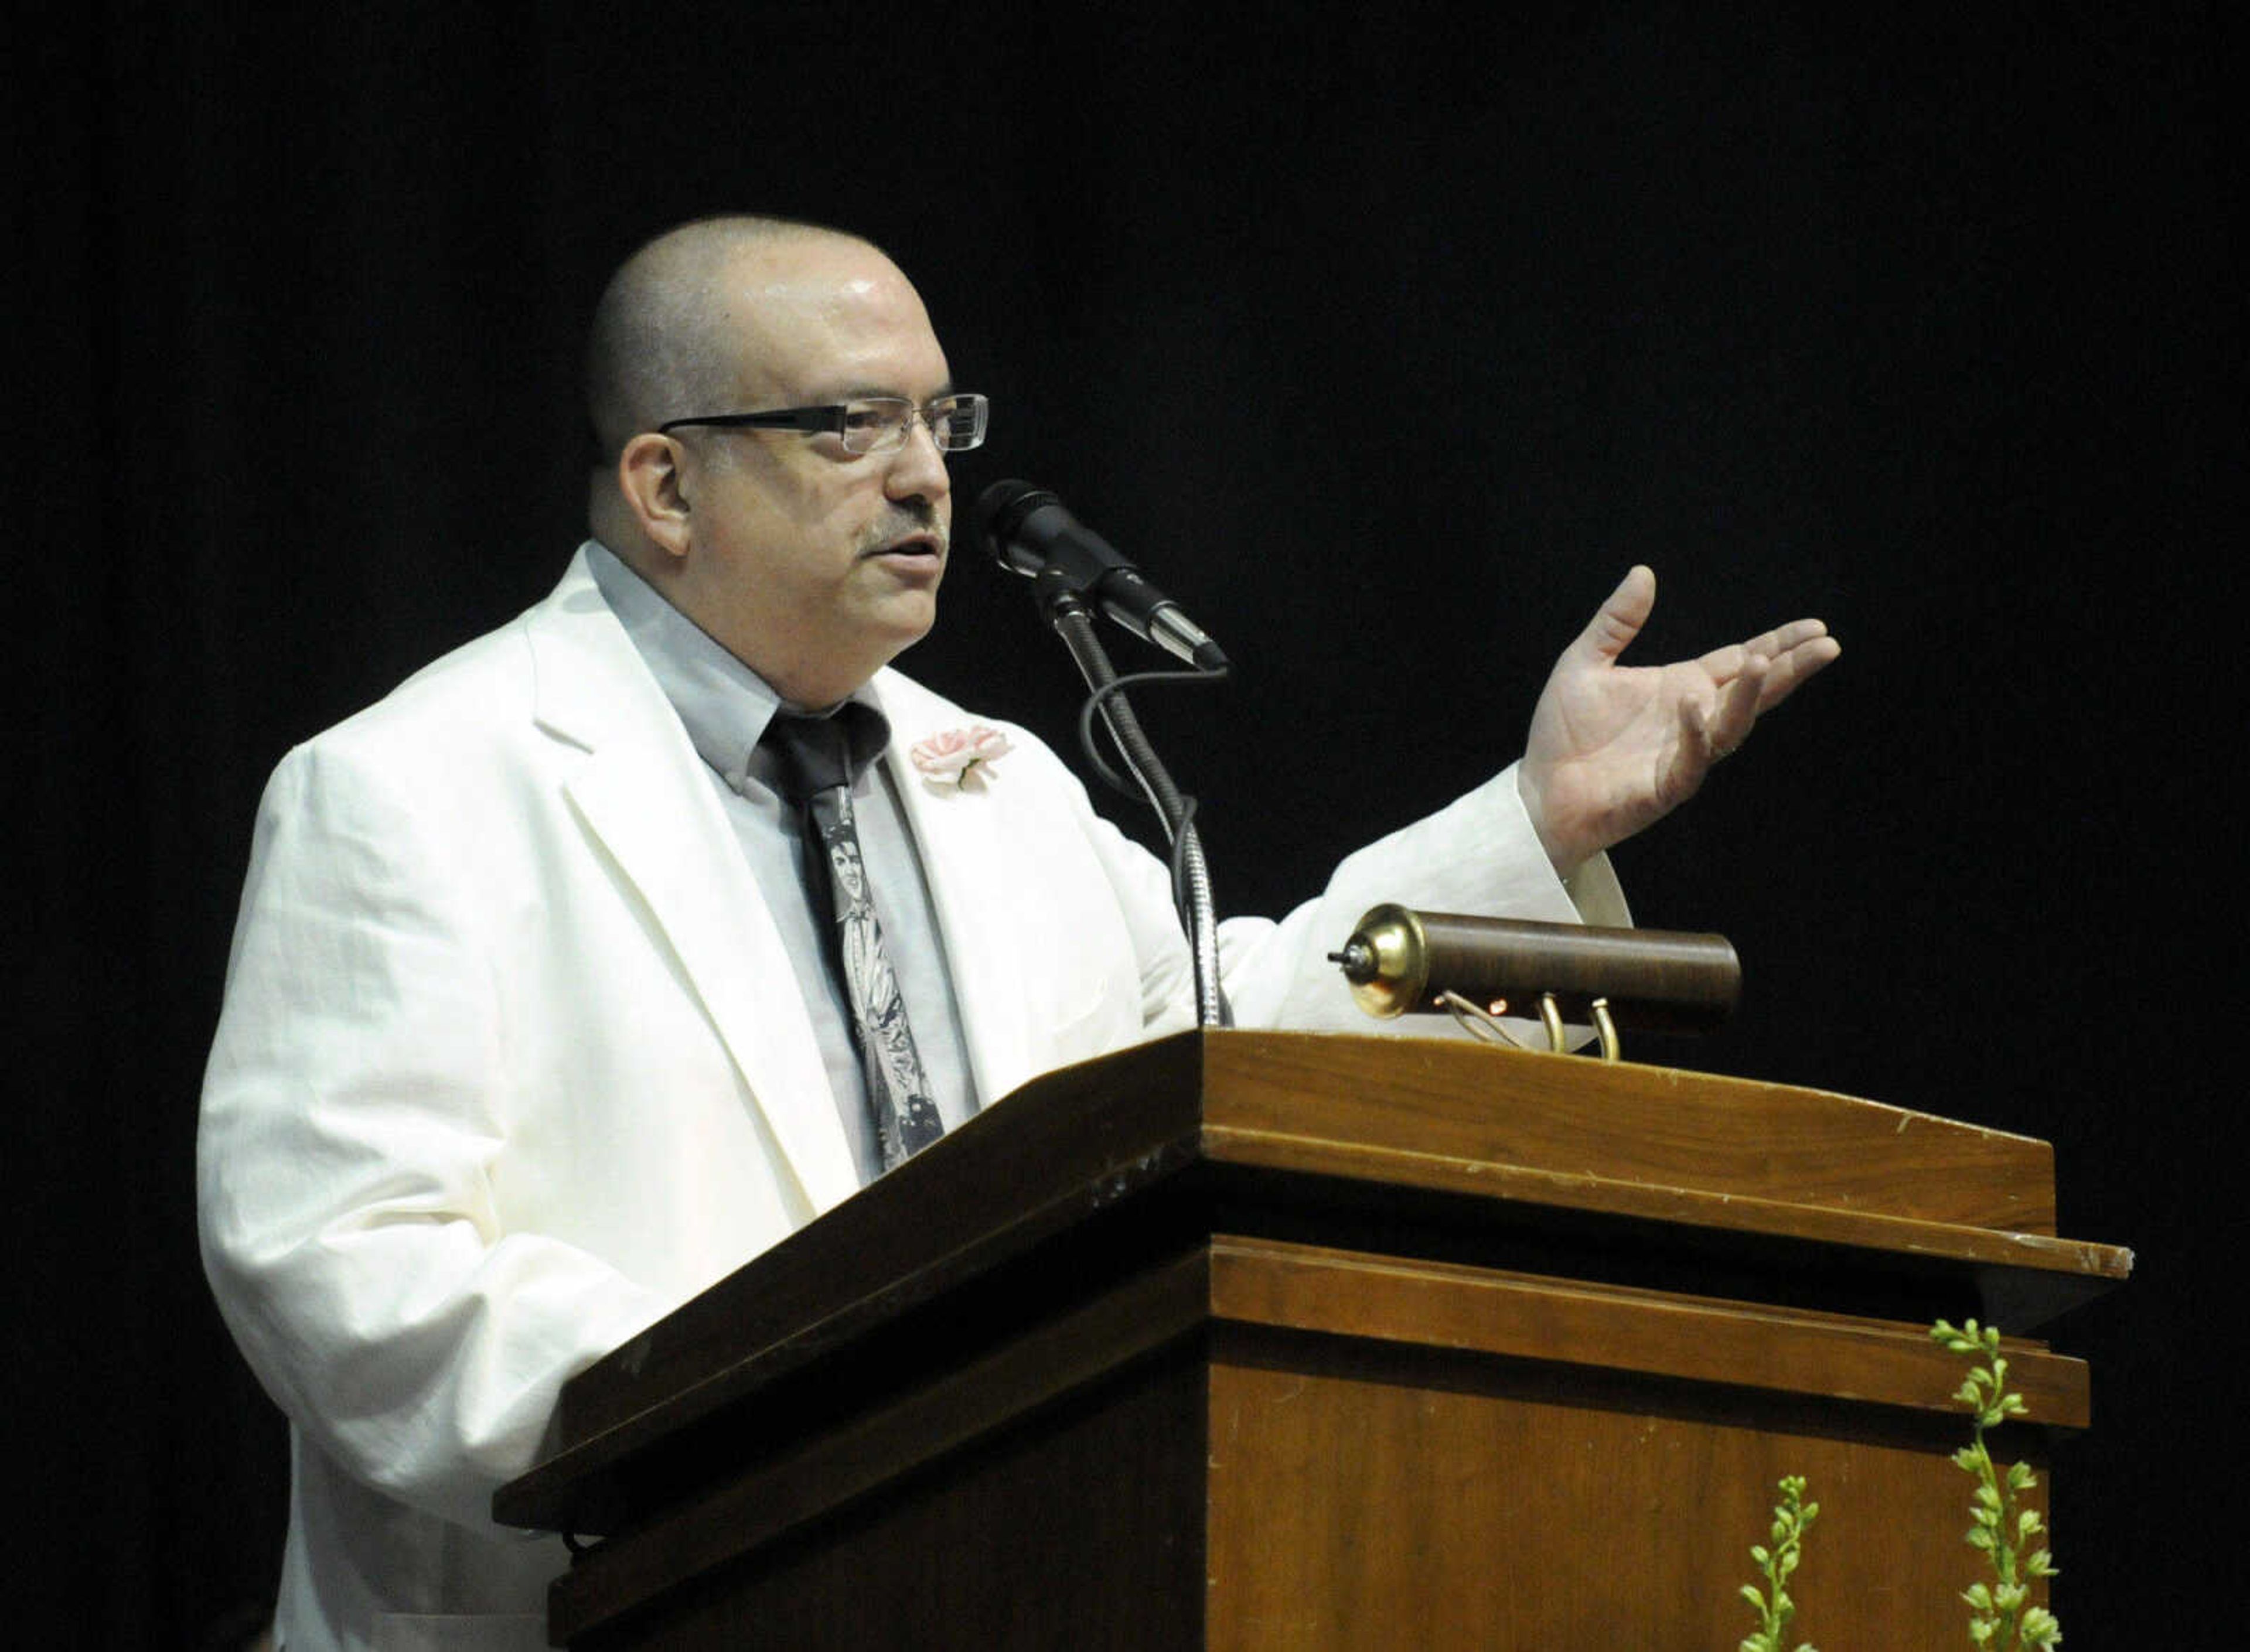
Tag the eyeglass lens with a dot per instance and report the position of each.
(880, 423)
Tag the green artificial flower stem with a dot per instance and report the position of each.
(1793, 1518)
(2001, 1615)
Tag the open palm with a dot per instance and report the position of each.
(1614, 748)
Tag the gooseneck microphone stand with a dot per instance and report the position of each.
(1061, 600)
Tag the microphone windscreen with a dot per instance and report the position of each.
(1001, 509)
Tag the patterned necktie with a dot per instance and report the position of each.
(820, 756)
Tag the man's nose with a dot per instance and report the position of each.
(918, 469)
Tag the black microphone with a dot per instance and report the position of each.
(1029, 532)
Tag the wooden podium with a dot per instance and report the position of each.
(1267, 1340)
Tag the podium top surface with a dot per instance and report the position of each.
(1411, 1135)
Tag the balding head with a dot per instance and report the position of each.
(811, 563)
(660, 348)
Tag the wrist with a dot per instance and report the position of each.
(1564, 853)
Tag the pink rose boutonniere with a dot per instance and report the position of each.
(959, 758)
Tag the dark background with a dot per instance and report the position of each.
(1388, 343)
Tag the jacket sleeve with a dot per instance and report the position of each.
(1479, 854)
(355, 1099)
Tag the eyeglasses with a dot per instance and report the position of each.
(872, 424)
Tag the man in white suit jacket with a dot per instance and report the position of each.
(514, 1060)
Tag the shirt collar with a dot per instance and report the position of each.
(723, 704)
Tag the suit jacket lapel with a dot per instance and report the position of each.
(957, 835)
(641, 790)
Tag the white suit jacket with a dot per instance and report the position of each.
(512, 1062)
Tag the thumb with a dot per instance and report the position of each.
(1612, 631)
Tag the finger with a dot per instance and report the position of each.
(1738, 707)
(1723, 663)
(1627, 610)
(1794, 669)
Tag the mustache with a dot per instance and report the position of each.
(907, 520)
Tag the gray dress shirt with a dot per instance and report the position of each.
(725, 706)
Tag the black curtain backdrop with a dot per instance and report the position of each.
(1388, 343)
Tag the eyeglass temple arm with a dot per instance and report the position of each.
(789, 418)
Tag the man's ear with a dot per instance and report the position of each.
(650, 478)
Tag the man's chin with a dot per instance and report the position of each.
(905, 620)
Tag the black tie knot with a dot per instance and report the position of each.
(818, 753)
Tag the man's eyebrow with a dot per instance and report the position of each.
(862, 392)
